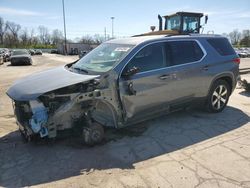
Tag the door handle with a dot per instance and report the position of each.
(165, 76)
(205, 68)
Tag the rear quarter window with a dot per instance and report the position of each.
(222, 46)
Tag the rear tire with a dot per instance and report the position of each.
(218, 96)
(93, 134)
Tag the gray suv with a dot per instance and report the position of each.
(126, 81)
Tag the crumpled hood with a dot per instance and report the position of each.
(31, 87)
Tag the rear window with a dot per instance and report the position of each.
(222, 46)
(20, 52)
(182, 52)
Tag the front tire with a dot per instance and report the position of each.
(93, 134)
(218, 96)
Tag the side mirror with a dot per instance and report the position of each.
(206, 19)
(131, 72)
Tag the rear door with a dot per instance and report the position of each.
(184, 61)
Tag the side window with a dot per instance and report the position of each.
(149, 58)
(182, 52)
(222, 46)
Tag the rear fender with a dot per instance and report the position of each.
(223, 75)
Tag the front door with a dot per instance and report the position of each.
(142, 93)
(165, 77)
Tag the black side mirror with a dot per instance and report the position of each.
(131, 72)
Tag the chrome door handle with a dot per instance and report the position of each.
(168, 76)
(205, 68)
(164, 77)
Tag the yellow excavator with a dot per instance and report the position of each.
(180, 23)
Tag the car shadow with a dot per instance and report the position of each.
(18, 65)
(33, 164)
(245, 93)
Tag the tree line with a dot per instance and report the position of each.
(239, 39)
(12, 35)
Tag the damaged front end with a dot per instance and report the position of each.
(89, 102)
(55, 110)
(59, 104)
(31, 118)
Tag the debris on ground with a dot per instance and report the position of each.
(245, 85)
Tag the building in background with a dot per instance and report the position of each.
(74, 48)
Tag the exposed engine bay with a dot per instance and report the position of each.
(60, 109)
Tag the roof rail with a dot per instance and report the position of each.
(197, 34)
(180, 35)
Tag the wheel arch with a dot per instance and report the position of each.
(228, 77)
(105, 114)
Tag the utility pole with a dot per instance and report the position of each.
(112, 18)
(65, 36)
(105, 33)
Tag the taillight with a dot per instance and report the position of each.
(237, 60)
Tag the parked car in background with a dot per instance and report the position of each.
(38, 52)
(126, 81)
(31, 51)
(54, 51)
(1, 59)
(20, 57)
(5, 54)
(247, 50)
(243, 52)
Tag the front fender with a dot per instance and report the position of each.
(105, 114)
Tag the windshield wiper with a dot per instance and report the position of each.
(79, 69)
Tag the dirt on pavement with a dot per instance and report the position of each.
(189, 148)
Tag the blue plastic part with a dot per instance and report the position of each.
(43, 132)
(39, 119)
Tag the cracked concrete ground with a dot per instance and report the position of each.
(184, 149)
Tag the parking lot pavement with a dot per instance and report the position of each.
(245, 63)
(184, 149)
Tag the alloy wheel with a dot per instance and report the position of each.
(219, 97)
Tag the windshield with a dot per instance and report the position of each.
(19, 52)
(190, 24)
(174, 23)
(103, 58)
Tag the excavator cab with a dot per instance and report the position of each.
(178, 24)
